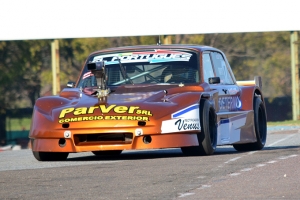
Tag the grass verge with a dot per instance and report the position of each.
(18, 124)
(285, 123)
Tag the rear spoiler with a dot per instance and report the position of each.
(257, 81)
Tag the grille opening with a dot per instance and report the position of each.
(141, 123)
(66, 125)
(103, 138)
(82, 138)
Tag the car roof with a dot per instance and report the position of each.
(194, 47)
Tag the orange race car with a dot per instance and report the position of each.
(148, 97)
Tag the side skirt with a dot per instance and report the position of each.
(235, 127)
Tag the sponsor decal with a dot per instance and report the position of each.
(86, 75)
(188, 124)
(186, 111)
(186, 119)
(141, 115)
(156, 56)
(231, 103)
(107, 117)
(233, 91)
(229, 130)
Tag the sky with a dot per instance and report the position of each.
(57, 19)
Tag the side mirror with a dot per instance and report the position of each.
(214, 80)
(70, 84)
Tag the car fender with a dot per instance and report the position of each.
(247, 96)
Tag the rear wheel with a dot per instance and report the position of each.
(107, 153)
(207, 138)
(50, 156)
(260, 123)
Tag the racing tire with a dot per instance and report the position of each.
(50, 156)
(107, 153)
(207, 138)
(260, 125)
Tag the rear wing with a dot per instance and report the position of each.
(257, 81)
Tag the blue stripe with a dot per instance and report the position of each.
(232, 119)
(185, 111)
(224, 121)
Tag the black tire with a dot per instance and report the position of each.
(207, 138)
(260, 124)
(50, 156)
(107, 153)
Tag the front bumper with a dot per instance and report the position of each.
(48, 136)
(138, 142)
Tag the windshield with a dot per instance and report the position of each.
(149, 67)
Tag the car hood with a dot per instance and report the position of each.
(144, 103)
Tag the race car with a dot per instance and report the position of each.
(151, 97)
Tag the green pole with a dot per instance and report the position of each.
(295, 74)
(55, 67)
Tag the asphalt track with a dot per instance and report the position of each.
(272, 173)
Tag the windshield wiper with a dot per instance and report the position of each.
(124, 74)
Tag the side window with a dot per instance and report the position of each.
(207, 67)
(221, 69)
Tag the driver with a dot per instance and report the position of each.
(179, 74)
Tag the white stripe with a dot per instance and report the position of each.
(286, 157)
(280, 140)
(204, 186)
(233, 159)
(246, 169)
(186, 194)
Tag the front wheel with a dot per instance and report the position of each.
(50, 156)
(207, 138)
(260, 125)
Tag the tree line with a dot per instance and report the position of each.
(26, 65)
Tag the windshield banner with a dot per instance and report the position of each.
(156, 56)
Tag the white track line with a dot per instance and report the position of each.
(232, 160)
(287, 137)
(186, 194)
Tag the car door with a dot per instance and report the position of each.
(214, 65)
